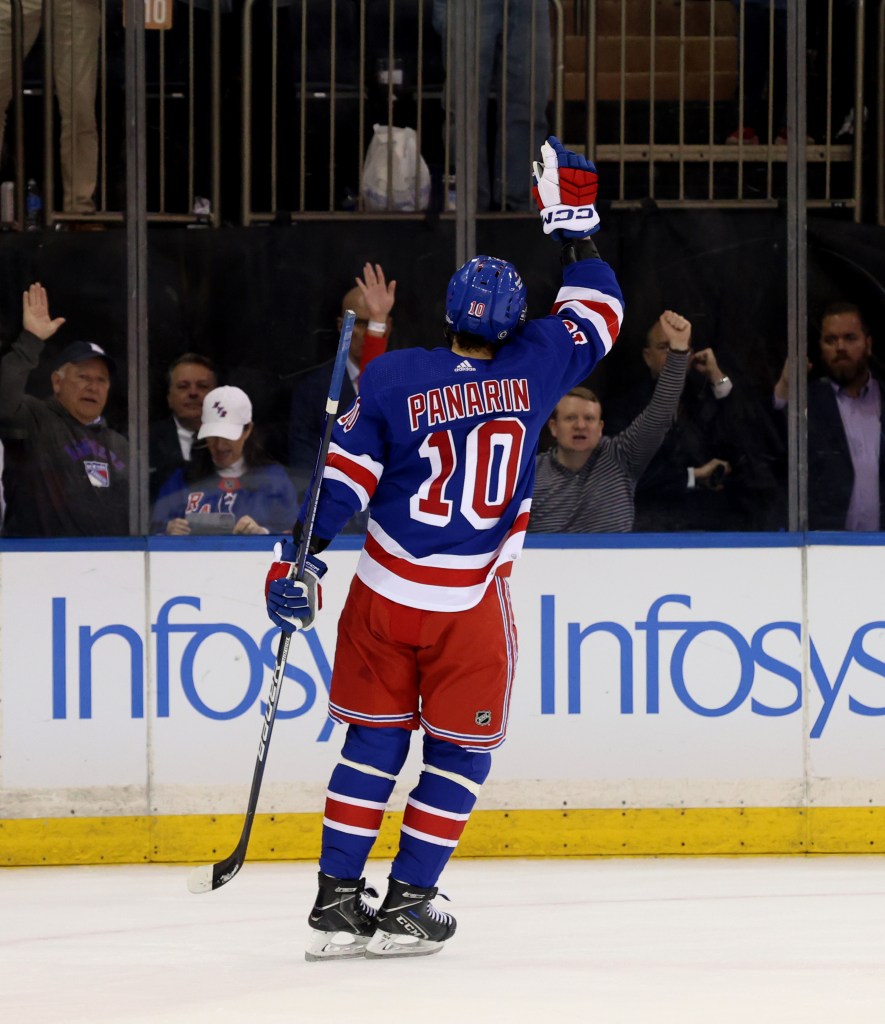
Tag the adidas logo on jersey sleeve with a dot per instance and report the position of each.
(464, 365)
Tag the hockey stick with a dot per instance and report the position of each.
(212, 876)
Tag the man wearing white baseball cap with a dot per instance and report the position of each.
(229, 486)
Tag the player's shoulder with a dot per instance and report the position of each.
(404, 366)
(525, 341)
(410, 356)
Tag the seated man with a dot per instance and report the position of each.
(190, 378)
(67, 472)
(585, 483)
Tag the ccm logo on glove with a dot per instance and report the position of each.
(574, 213)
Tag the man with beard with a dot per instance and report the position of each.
(845, 448)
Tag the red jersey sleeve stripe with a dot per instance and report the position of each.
(361, 476)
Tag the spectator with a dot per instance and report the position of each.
(76, 26)
(846, 452)
(585, 482)
(190, 378)
(713, 469)
(372, 300)
(229, 486)
(67, 472)
(513, 39)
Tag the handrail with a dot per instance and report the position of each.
(17, 29)
(880, 106)
(246, 108)
(859, 109)
(691, 55)
(558, 68)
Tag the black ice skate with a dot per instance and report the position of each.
(342, 921)
(408, 924)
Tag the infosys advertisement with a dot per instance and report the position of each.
(134, 682)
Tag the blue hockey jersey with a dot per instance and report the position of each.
(263, 492)
(441, 448)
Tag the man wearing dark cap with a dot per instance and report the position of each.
(66, 472)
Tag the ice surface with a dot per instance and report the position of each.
(633, 941)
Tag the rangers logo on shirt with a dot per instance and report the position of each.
(193, 502)
(98, 473)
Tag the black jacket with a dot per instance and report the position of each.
(165, 453)
(830, 470)
(61, 478)
(308, 413)
(735, 429)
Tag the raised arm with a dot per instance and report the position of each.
(636, 445)
(589, 304)
(36, 317)
(379, 293)
(24, 355)
(379, 296)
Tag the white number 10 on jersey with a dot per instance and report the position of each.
(493, 455)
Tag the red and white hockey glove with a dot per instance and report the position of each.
(293, 604)
(565, 187)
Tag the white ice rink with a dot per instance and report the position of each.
(712, 941)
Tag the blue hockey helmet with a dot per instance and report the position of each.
(486, 297)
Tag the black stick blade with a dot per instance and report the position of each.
(208, 877)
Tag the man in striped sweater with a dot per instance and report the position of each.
(585, 483)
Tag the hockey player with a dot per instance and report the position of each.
(440, 446)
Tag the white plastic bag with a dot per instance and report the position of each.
(403, 165)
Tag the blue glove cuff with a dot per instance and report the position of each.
(571, 236)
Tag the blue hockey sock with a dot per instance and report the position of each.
(359, 789)
(437, 810)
